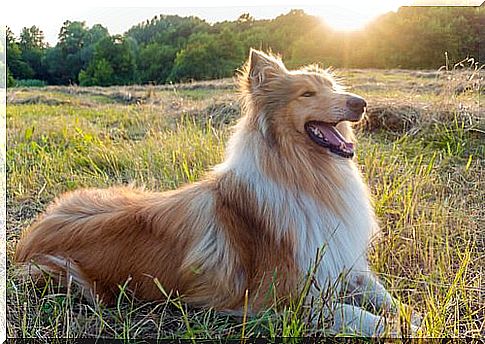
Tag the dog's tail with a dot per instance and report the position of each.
(44, 265)
(58, 271)
(68, 230)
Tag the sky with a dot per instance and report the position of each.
(118, 16)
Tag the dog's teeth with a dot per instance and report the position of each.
(317, 133)
(344, 148)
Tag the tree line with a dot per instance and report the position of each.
(170, 48)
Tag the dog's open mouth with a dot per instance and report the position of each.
(327, 135)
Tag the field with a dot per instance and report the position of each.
(421, 149)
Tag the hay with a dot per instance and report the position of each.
(38, 99)
(217, 114)
(393, 117)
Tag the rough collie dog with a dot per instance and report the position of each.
(287, 189)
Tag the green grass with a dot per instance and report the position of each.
(427, 181)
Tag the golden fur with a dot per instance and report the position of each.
(256, 220)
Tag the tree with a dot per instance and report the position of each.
(113, 62)
(73, 52)
(98, 73)
(32, 38)
(197, 61)
(155, 62)
(245, 18)
(208, 56)
(16, 64)
(32, 47)
(72, 39)
(92, 37)
(170, 30)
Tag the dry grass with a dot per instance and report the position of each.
(421, 150)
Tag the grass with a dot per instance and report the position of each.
(421, 151)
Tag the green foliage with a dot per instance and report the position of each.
(207, 57)
(113, 63)
(29, 83)
(32, 48)
(166, 29)
(55, 66)
(17, 65)
(31, 38)
(99, 72)
(173, 48)
(412, 37)
(10, 79)
(155, 62)
(74, 52)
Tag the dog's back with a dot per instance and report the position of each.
(100, 238)
(202, 241)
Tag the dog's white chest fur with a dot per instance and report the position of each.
(343, 239)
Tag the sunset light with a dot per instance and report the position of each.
(351, 15)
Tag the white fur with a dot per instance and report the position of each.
(344, 240)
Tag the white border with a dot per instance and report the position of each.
(3, 185)
(20, 5)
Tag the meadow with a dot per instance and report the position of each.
(421, 149)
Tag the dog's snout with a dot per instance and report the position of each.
(356, 104)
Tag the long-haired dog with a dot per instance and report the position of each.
(287, 189)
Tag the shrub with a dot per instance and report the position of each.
(29, 83)
(10, 79)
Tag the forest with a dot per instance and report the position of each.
(170, 48)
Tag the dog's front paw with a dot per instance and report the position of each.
(416, 319)
(412, 324)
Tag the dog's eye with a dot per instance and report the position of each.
(308, 94)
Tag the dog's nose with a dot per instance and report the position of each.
(356, 104)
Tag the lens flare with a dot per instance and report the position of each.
(351, 15)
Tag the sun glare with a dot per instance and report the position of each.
(352, 15)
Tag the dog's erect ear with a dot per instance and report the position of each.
(263, 67)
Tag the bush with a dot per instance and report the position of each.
(30, 83)
(10, 79)
(99, 73)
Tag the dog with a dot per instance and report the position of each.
(288, 192)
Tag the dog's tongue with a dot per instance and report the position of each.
(334, 137)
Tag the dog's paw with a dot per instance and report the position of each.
(411, 324)
(406, 324)
(402, 331)
(416, 319)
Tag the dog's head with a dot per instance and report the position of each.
(304, 106)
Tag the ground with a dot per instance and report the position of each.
(421, 150)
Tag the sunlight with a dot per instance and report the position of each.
(351, 15)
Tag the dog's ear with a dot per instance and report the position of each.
(263, 67)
